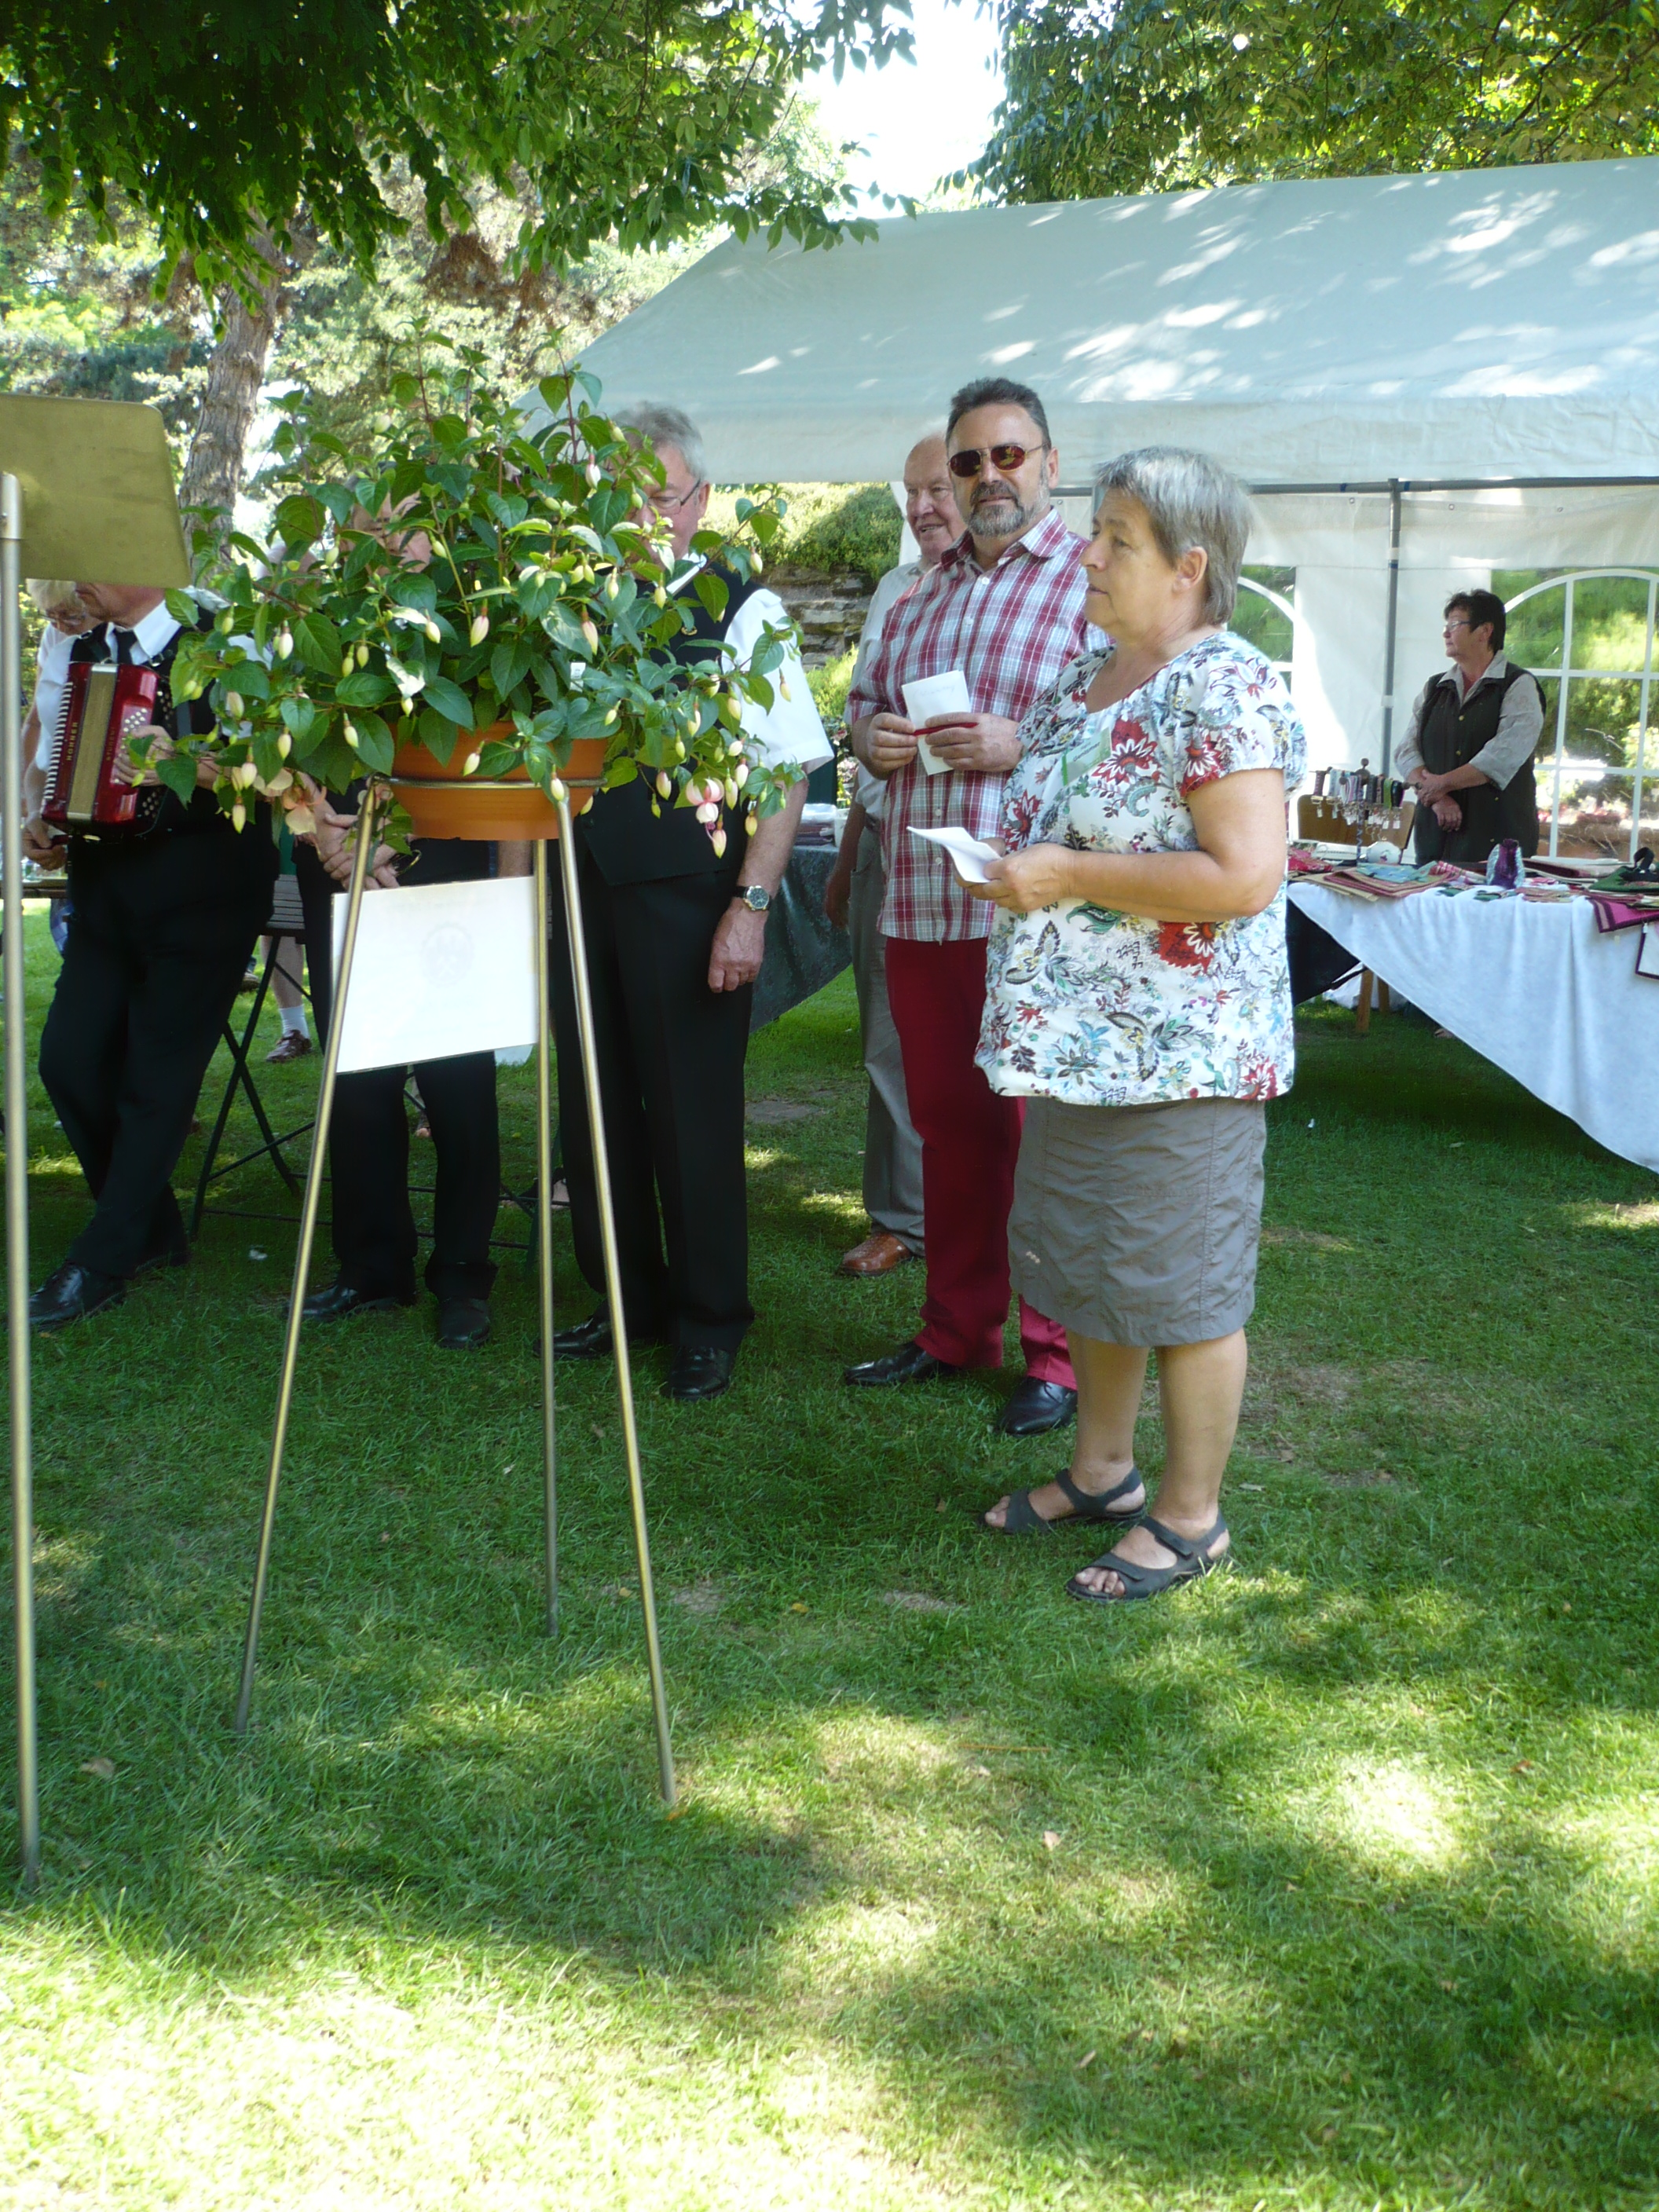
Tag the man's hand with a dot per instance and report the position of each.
(40, 844)
(123, 768)
(987, 743)
(1447, 812)
(888, 744)
(739, 946)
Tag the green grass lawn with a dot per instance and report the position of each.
(1333, 1882)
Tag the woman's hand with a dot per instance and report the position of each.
(1020, 882)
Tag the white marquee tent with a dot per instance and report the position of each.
(1367, 354)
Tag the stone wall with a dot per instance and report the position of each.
(829, 605)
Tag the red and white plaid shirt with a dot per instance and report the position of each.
(1009, 628)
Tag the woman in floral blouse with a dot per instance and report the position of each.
(1138, 999)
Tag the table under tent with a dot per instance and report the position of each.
(1429, 382)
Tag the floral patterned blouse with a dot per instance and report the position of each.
(1106, 1009)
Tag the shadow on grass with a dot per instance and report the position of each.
(1323, 1883)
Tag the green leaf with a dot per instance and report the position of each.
(449, 699)
(316, 643)
(414, 591)
(712, 590)
(510, 664)
(299, 718)
(438, 735)
(375, 746)
(184, 610)
(364, 687)
(301, 520)
(177, 772)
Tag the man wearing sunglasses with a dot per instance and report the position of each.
(1004, 607)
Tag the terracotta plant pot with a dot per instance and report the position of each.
(442, 802)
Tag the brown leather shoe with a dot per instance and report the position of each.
(292, 1044)
(879, 1255)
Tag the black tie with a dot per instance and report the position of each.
(125, 640)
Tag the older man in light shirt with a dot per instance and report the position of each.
(853, 899)
(675, 933)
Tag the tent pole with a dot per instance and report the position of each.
(367, 821)
(1394, 505)
(17, 1175)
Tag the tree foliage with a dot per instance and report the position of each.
(1108, 96)
(634, 120)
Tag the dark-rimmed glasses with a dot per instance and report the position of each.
(670, 502)
(972, 458)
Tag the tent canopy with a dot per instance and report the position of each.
(1488, 325)
(1474, 323)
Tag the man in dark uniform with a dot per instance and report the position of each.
(159, 935)
(674, 939)
(1468, 750)
(373, 1226)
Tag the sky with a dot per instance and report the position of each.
(919, 121)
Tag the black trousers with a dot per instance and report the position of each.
(159, 941)
(671, 1055)
(373, 1225)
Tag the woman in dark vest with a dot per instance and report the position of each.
(1468, 751)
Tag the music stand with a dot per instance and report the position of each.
(86, 491)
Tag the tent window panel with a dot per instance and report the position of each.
(1265, 613)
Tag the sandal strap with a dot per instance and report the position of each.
(1092, 1505)
(1022, 1518)
(1195, 1548)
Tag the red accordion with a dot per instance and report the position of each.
(103, 703)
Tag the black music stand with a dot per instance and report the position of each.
(286, 925)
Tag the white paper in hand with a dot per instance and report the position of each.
(928, 695)
(440, 968)
(968, 854)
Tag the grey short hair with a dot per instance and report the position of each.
(668, 426)
(1189, 500)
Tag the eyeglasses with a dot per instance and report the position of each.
(972, 458)
(669, 502)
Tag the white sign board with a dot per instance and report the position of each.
(440, 969)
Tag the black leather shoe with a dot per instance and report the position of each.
(910, 1363)
(463, 1323)
(74, 1293)
(585, 1340)
(341, 1299)
(1036, 1407)
(698, 1371)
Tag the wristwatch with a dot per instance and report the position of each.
(754, 897)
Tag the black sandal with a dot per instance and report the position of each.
(1024, 1519)
(1193, 1559)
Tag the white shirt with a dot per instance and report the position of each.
(1510, 745)
(50, 679)
(791, 729)
(870, 790)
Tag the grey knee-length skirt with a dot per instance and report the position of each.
(1138, 1224)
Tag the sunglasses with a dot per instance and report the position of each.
(972, 458)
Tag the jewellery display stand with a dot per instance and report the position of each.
(585, 1044)
(86, 491)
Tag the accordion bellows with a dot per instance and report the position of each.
(103, 703)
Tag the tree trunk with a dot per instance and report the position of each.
(213, 473)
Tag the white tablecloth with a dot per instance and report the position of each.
(1531, 986)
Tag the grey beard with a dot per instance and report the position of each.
(1003, 517)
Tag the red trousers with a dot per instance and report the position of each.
(970, 1143)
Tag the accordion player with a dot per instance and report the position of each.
(165, 901)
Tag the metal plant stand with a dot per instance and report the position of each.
(585, 1043)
